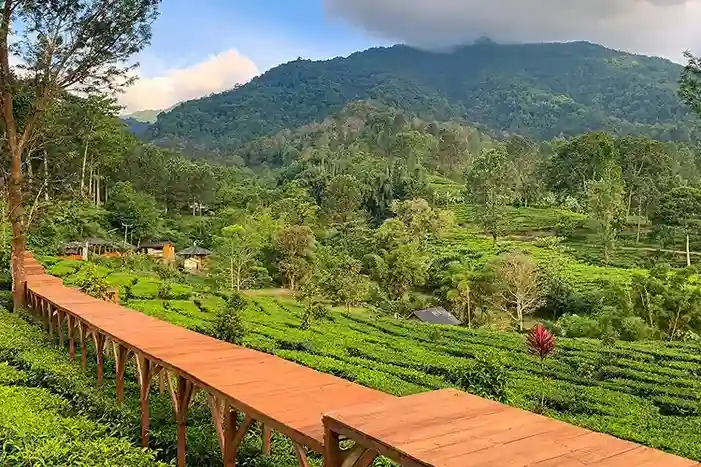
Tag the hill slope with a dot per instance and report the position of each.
(539, 90)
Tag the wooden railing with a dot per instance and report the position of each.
(293, 400)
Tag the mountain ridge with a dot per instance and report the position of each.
(538, 90)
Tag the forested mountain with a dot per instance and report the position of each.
(536, 90)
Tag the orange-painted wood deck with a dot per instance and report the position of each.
(450, 428)
(442, 428)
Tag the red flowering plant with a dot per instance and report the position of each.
(541, 343)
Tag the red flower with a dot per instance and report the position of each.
(540, 341)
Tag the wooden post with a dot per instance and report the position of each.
(147, 370)
(44, 310)
(99, 341)
(71, 339)
(266, 439)
(225, 420)
(301, 455)
(59, 321)
(333, 457)
(83, 337)
(182, 396)
(50, 310)
(121, 355)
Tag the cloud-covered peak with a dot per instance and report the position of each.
(654, 27)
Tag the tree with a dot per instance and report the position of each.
(129, 209)
(518, 286)
(680, 210)
(81, 45)
(581, 160)
(646, 167)
(606, 207)
(690, 83)
(236, 253)
(420, 220)
(669, 300)
(341, 277)
(314, 307)
(295, 248)
(228, 324)
(526, 160)
(460, 292)
(490, 186)
(342, 198)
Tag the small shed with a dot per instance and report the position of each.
(194, 257)
(95, 246)
(437, 315)
(164, 249)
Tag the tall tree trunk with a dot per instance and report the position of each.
(14, 148)
(16, 215)
(46, 176)
(640, 215)
(85, 162)
(630, 202)
(97, 190)
(688, 252)
(91, 182)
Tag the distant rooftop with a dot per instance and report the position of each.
(195, 251)
(437, 315)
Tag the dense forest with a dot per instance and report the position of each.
(536, 90)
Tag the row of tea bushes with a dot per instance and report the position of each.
(43, 384)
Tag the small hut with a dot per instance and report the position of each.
(164, 249)
(194, 258)
(437, 315)
(93, 246)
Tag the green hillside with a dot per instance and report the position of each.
(537, 90)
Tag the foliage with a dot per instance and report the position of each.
(537, 90)
(91, 282)
(228, 324)
(487, 377)
(669, 300)
(690, 89)
(133, 211)
(489, 183)
(518, 287)
(541, 343)
(605, 206)
(295, 248)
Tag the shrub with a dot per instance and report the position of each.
(488, 377)
(580, 326)
(179, 291)
(6, 299)
(91, 281)
(228, 324)
(32, 428)
(146, 288)
(65, 268)
(634, 328)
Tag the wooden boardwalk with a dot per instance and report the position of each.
(313, 409)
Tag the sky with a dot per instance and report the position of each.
(208, 46)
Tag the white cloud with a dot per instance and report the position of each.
(655, 27)
(216, 74)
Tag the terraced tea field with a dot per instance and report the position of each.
(646, 392)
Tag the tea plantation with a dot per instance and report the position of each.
(646, 392)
